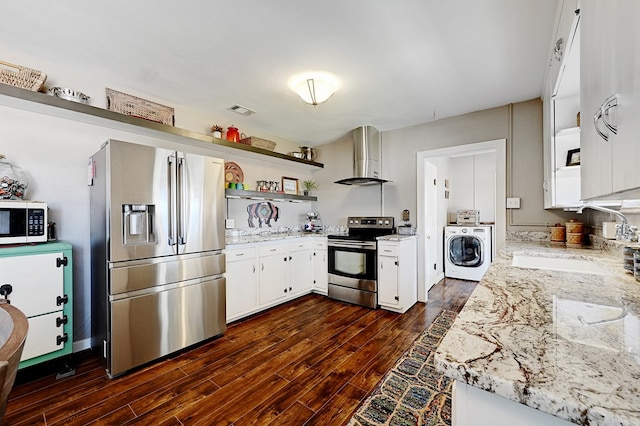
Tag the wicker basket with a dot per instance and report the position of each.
(138, 107)
(23, 77)
(259, 143)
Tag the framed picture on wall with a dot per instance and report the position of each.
(573, 157)
(290, 185)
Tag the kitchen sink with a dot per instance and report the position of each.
(565, 264)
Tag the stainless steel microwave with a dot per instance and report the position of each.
(23, 222)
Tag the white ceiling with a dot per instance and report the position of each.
(400, 62)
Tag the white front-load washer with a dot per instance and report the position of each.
(467, 251)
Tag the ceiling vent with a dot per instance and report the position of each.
(241, 110)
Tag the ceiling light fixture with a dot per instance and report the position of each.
(314, 87)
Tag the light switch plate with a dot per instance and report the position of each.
(513, 203)
(229, 223)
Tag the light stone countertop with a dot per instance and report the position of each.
(396, 237)
(565, 343)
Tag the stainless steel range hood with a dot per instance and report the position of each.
(366, 158)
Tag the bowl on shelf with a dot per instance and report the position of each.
(69, 94)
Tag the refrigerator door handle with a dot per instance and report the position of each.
(180, 191)
(171, 173)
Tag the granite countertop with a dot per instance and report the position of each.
(566, 343)
(396, 237)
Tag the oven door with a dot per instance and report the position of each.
(353, 264)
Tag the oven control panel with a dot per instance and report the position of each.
(370, 222)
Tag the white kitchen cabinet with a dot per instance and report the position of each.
(273, 273)
(610, 97)
(263, 274)
(242, 282)
(40, 280)
(562, 39)
(473, 406)
(300, 266)
(320, 266)
(561, 106)
(397, 274)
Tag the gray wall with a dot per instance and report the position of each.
(520, 124)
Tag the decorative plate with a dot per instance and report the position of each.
(233, 172)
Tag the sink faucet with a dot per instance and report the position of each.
(623, 231)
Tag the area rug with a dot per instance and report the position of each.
(412, 392)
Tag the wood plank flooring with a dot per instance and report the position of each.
(311, 361)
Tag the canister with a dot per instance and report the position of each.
(557, 233)
(574, 227)
(574, 238)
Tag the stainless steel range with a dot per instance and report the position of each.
(353, 268)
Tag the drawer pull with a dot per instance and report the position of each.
(62, 262)
(62, 339)
(60, 300)
(63, 320)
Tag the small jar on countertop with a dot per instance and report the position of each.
(558, 233)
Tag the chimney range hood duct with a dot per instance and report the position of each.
(366, 158)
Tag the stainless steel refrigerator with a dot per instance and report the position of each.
(157, 236)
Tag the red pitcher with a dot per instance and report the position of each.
(232, 134)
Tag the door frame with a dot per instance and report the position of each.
(428, 235)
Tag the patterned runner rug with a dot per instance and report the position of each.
(412, 392)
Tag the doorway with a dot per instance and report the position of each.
(432, 190)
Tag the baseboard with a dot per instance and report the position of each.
(81, 345)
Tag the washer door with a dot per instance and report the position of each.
(465, 250)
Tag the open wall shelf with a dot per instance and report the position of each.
(56, 107)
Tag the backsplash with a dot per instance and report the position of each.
(528, 236)
(282, 230)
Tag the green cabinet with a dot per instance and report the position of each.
(41, 283)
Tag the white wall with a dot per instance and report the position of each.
(473, 185)
(185, 116)
(54, 153)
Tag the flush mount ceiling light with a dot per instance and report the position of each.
(314, 87)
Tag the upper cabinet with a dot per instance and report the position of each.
(610, 97)
(561, 108)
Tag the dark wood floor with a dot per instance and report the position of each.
(311, 361)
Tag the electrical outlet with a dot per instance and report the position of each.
(229, 223)
(513, 203)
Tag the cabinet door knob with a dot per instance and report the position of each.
(5, 290)
(63, 320)
(62, 339)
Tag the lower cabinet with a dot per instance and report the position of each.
(397, 274)
(300, 267)
(320, 266)
(38, 280)
(262, 275)
(242, 282)
(273, 273)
